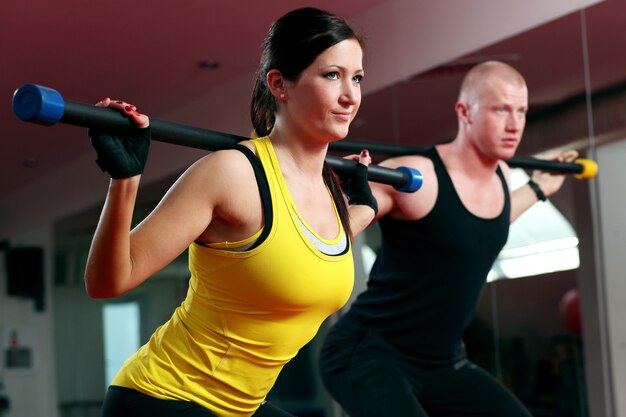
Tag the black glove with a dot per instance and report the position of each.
(121, 155)
(358, 189)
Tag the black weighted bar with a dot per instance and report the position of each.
(42, 105)
(581, 168)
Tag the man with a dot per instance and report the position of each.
(399, 351)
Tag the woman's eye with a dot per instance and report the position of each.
(332, 75)
(357, 79)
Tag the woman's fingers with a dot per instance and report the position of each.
(104, 102)
(365, 158)
(141, 120)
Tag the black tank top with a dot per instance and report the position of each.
(429, 274)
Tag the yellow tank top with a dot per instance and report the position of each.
(246, 314)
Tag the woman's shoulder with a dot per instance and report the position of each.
(226, 170)
(225, 160)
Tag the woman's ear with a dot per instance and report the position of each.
(277, 84)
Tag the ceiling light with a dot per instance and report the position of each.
(208, 64)
(30, 163)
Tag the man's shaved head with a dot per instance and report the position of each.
(482, 76)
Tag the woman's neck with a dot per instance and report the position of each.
(298, 155)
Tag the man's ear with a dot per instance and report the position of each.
(277, 84)
(463, 112)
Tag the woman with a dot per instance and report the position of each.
(266, 225)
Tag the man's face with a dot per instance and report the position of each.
(497, 118)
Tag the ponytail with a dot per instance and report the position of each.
(263, 107)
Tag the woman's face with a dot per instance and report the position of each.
(324, 100)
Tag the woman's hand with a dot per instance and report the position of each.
(357, 188)
(122, 155)
(363, 204)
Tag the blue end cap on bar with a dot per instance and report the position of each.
(37, 104)
(415, 180)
